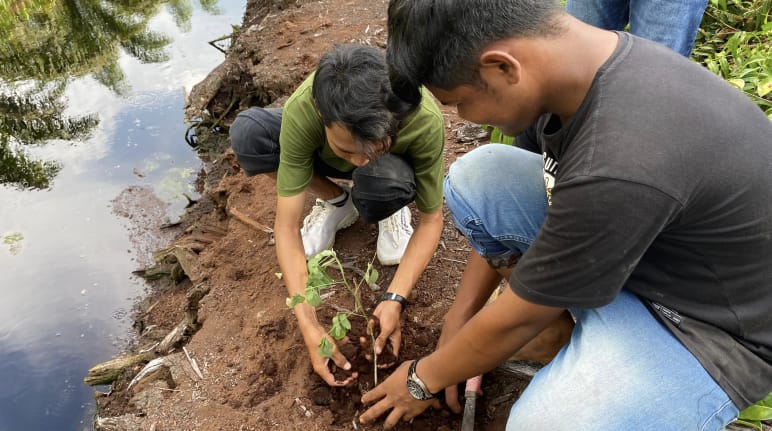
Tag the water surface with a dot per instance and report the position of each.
(65, 257)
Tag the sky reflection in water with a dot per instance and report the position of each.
(66, 284)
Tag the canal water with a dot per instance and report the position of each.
(66, 259)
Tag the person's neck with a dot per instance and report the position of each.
(570, 62)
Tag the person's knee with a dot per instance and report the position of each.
(473, 171)
(255, 139)
(467, 174)
(484, 169)
(382, 187)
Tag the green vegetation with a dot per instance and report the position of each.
(735, 42)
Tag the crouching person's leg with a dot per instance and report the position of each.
(500, 216)
(622, 370)
(255, 140)
(382, 190)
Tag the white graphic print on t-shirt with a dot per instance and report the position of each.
(550, 172)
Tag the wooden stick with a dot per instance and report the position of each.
(249, 222)
(193, 363)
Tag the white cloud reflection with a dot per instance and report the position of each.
(67, 291)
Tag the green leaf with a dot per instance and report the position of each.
(340, 326)
(764, 87)
(737, 83)
(317, 269)
(752, 424)
(724, 64)
(712, 66)
(319, 257)
(337, 332)
(312, 296)
(342, 320)
(756, 413)
(371, 275)
(325, 348)
(761, 410)
(318, 278)
(295, 300)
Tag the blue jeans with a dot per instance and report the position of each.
(622, 369)
(672, 23)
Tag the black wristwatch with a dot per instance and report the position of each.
(416, 386)
(390, 296)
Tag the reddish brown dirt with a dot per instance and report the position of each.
(256, 372)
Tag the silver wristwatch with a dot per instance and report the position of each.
(416, 386)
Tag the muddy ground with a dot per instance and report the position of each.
(253, 370)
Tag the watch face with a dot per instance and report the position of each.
(415, 390)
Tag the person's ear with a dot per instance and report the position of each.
(501, 63)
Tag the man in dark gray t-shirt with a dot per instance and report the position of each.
(644, 207)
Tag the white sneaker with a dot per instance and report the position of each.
(394, 233)
(320, 225)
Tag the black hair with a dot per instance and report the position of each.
(438, 42)
(351, 87)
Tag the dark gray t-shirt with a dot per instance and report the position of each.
(661, 183)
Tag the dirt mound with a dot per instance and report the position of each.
(239, 363)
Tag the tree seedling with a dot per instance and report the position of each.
(319, 280)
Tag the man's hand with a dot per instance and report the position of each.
(312, 335)
(387, 314)
(392, 395)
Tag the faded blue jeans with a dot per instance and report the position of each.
(672, 23)
(622, 369)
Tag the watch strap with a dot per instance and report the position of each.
(391, 296)
(413, 377)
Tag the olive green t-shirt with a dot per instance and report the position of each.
(420, 140)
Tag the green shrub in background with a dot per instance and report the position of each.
(735, 42)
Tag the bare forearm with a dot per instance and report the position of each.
(290, 254)
(478, 281)
(292, 262)
(488, 339)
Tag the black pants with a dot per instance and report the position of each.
(381, 187)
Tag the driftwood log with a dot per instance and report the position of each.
(107, 372)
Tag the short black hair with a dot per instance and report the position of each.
(438, 42)
(351, 87)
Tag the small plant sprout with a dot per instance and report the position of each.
(318, 280)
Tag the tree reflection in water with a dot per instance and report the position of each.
(46, 43)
